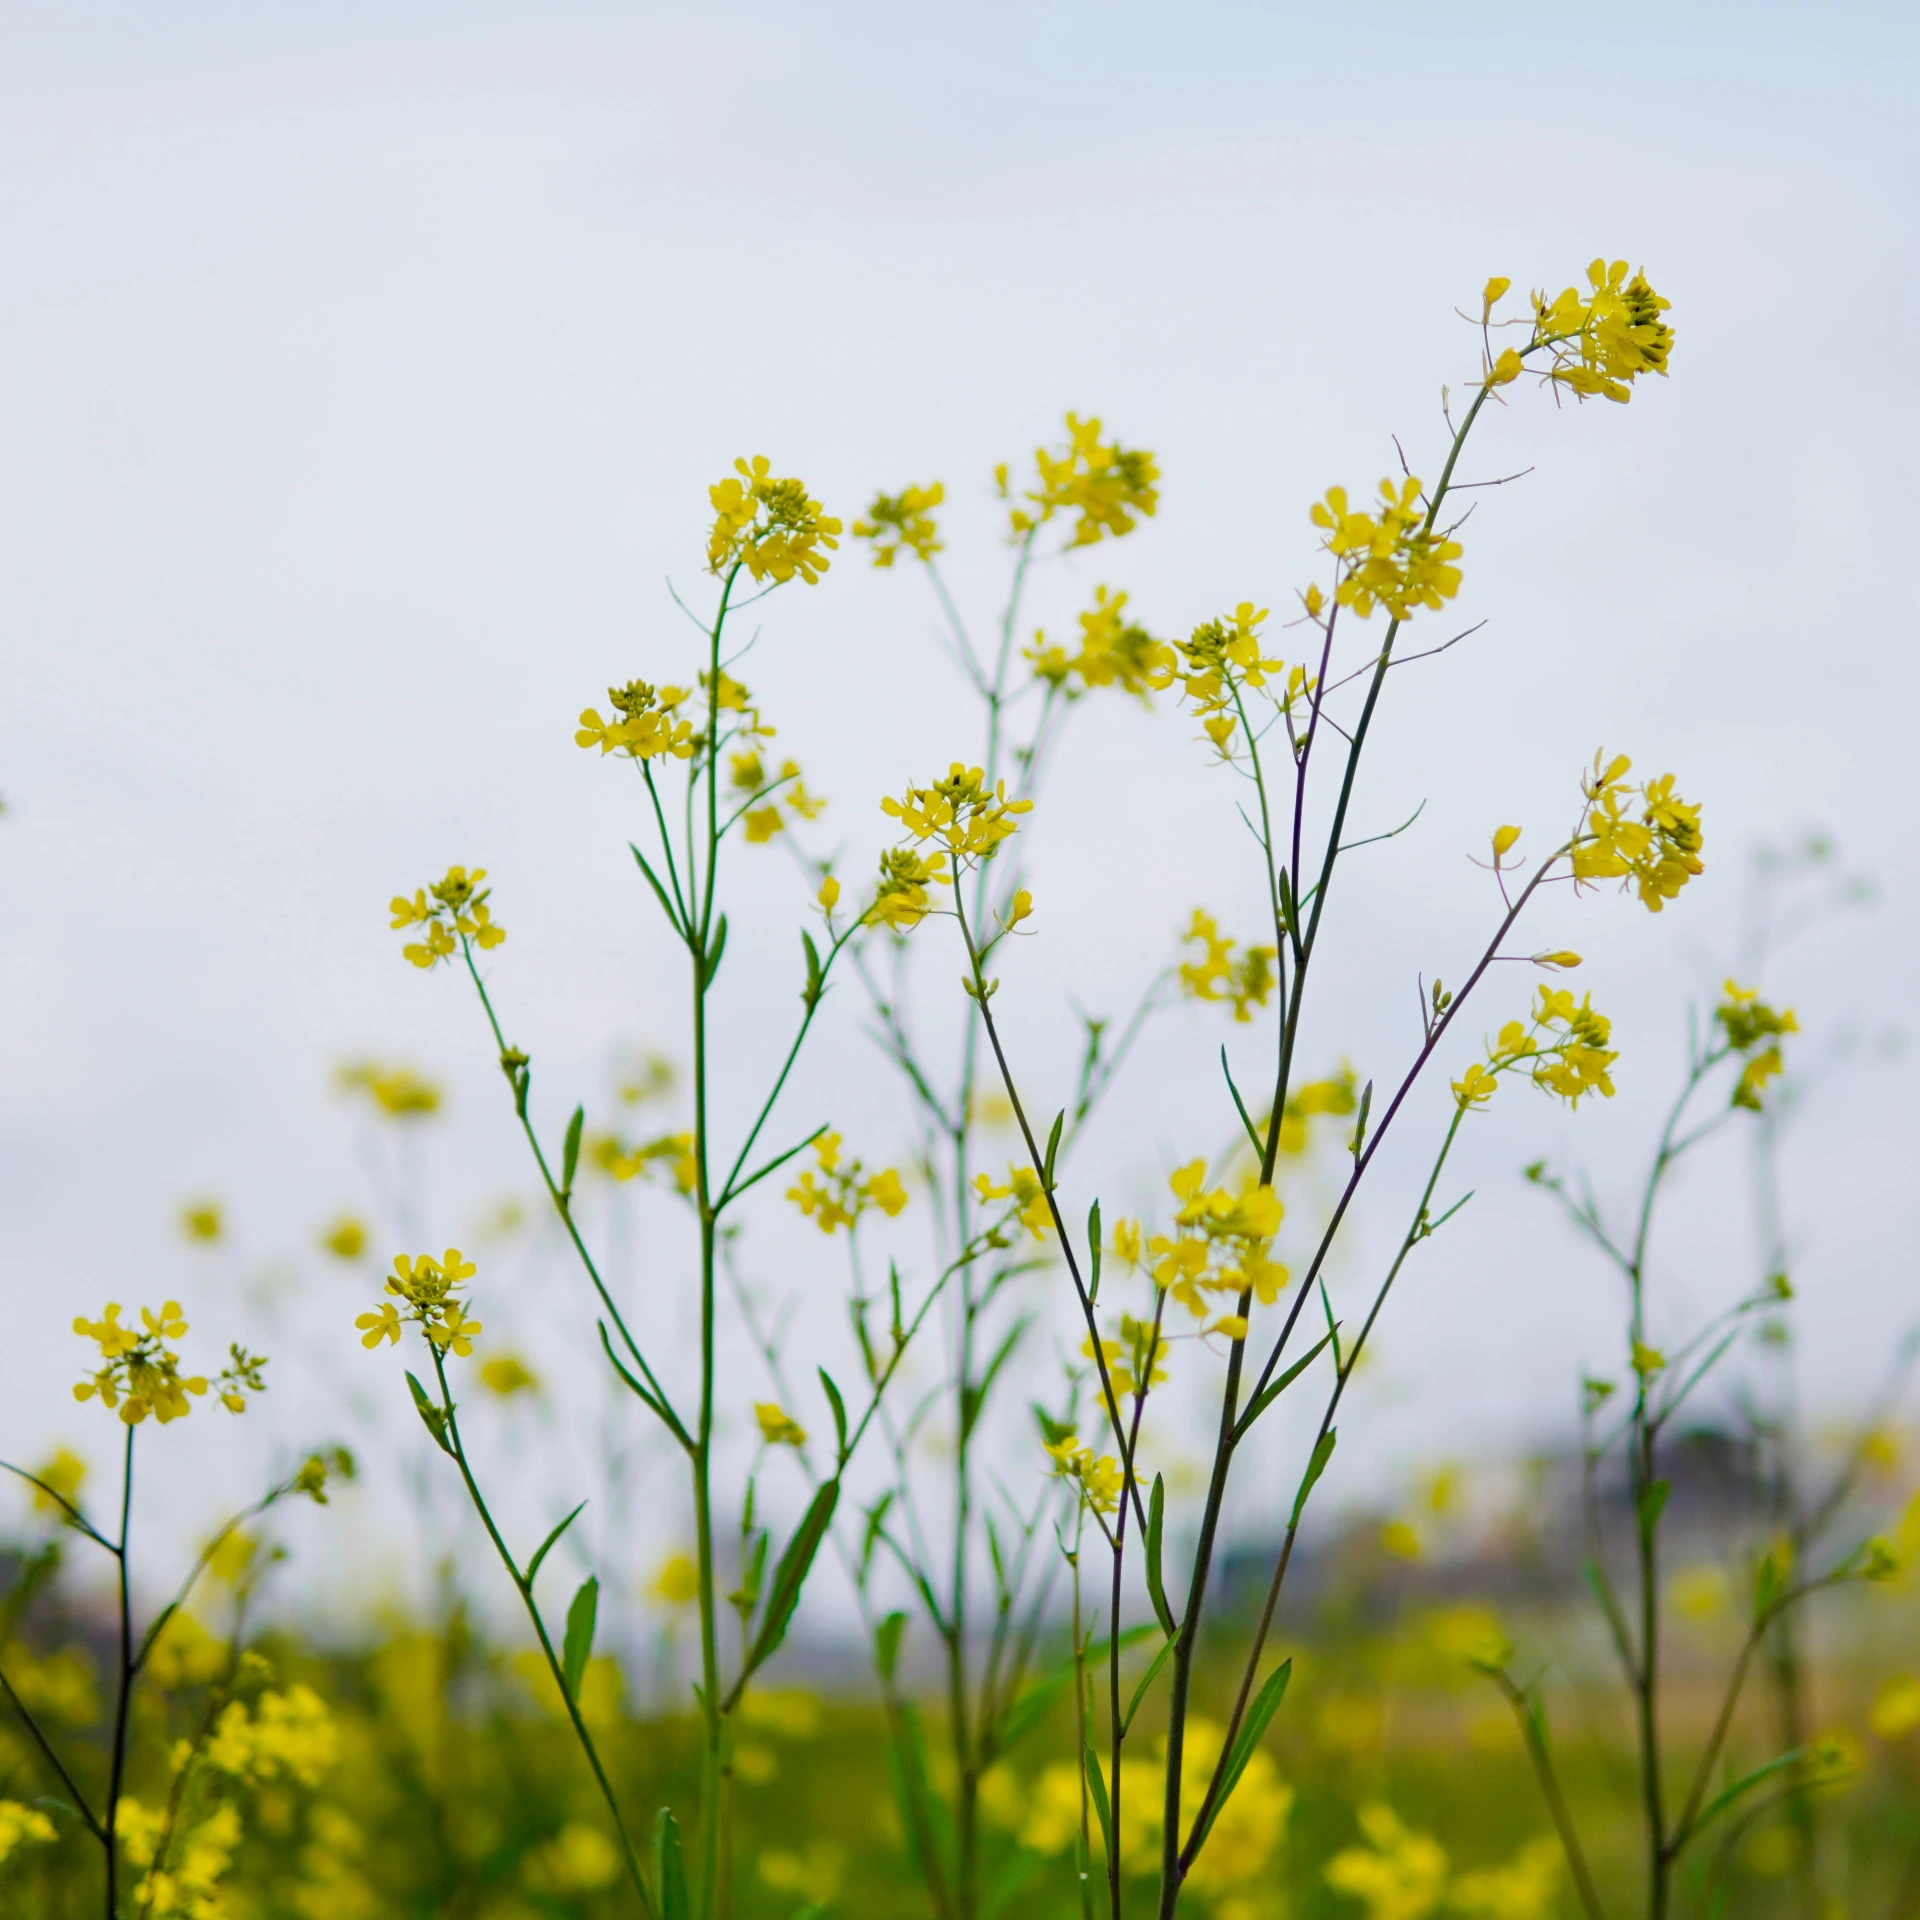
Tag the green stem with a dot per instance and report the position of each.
(123, 1692)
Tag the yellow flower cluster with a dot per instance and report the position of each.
(1220, 1244)
(1603, 340)
(1333, 1098)
(428, 1288)
(618, 1161)
(1221, 657)
(1099, 1479)
(648, 723)
(1401, 1874)
(457, 911)
(142, 1373)
(506, 1375)
(188, 1888)
(1563, 1044)
(22, 1826)
(901, 900)
(748, 774)
(768, 526)
(1109, 487)
(1136, 1361)
(1389, 557)
(63, 1475)
(287, 1735)
(397, 1091)
(1114, 652)
(841, 1192)
(902, 522)
(961, 813)
(1654, 846)
(1243, 983)
(1747, 1020)
(1022, 1186)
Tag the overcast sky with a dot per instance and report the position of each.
(362, 371)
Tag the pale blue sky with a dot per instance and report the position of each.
(361, 373)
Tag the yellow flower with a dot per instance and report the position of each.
(63, 1473)
(397, 1091)
(1244, 983)
(777, 1428)
(1475, 1087)
(829, 894)
(1656, 853)
(960, 813)
(648, 725)
(1099, 1479)
(902, 522)
(768, 526)
(382, 1324)
(142, 1374)
(507, 1374)
(454, 1331)
(1603, 340)
(1022, 1186)
(1503, 842)
(761, 824)
(678, 1580)
(839, 1194)
(452, 910)
(1399, 1875)
(1390, 557)
(1106, 487)
(22, 1826)
(346, 1238)
(901, 900)
(201, 1220)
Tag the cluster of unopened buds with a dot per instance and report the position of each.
(426, 1288)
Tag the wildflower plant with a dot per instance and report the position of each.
(1202, 1290)
(1734, 1077)
(158, 1861)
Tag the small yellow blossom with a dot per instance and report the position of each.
(836, 1194)
(397, 1092)
(778, 1428)
(506, 1374)
(1603, 340)
(1099, 1479)
(346, 1238)
(453, 911)
(1022, 1186)
(62, 1474)
(142, 1373)
(202, 1221)
(1243, 983)
(902, 522)
(426, 1288)
(677, 1582)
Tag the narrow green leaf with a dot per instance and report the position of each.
(577, 1648)
(1322, 1453)
(1093, 1251)
(1147, 1679)
(1097, 1787)
(1287, 917)
(1240, 1107)
(1035, 1701)
(1053, 1149)
(1360, 1124)
(669, 1870)
(1275, 1388)
(431, 1412)
(839, 1407)
(886, 1644)
(546, 1545)
(791, 1575)
(876, 1525)
(1741, 1787)
(719, 947)
(570, 1154)
(746, 1596)
(1265, 1705)
(811, 993)
(1653, 1503)
(1156, 1585)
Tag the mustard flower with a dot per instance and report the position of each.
(506, 1374)
(777, 1427)
(1221, 1242)
(453, 912)
(426, 1288)
(648, 724)
(398, 1092)
(1243, 983)
(1389, 557)
(1098, 1479)
(838, 1192)
(769, 526)
(1653, 847)
(1114, 652)
(1107, 489)
(1747, 1020)
(1603, 340)
(1023, 1187)
(903, 522)
(142, 1372)
(961, 813)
